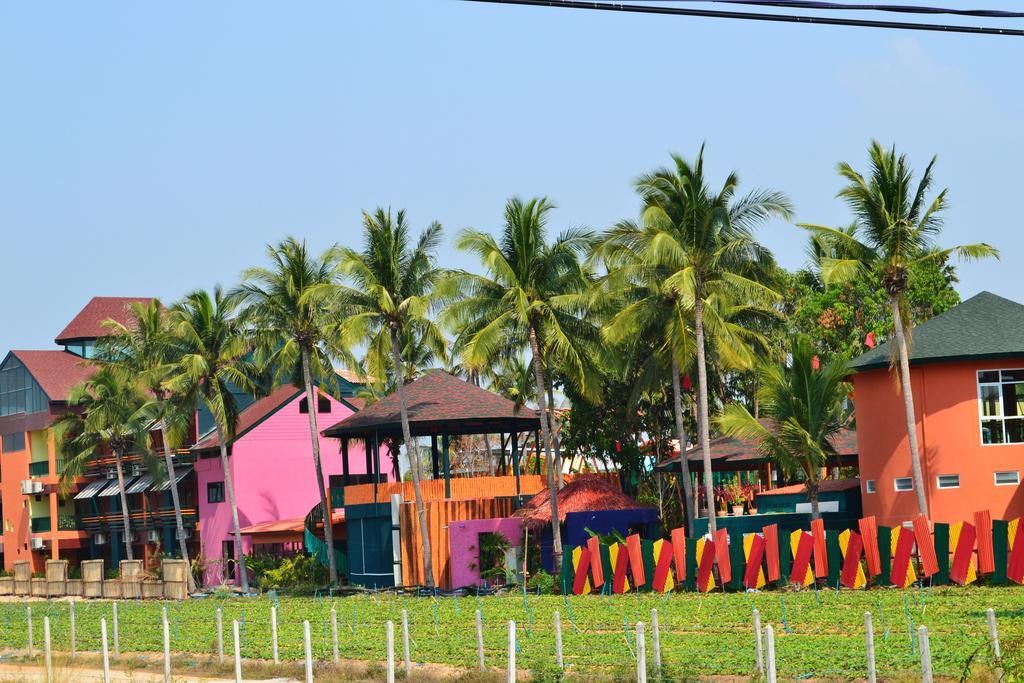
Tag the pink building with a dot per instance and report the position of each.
(272, 472)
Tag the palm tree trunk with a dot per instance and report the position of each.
(414, 459)
(555, 426)
(702, 409)
(684, 466)
(124, 506)
(812, 496)
(556, 537)
(908, 407)
(314, 434)
(179, 525)
(230, 487)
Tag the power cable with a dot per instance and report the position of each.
(847, 7)
(759, 16)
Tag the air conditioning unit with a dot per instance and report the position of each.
(26, 486)
(99, 539)
(154, 536)
(136, 470)
(111, 473)
(37, 486)
(36, 543)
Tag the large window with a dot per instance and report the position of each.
(215, 492)
(1001, 406)
(19, 393)
(13, 442)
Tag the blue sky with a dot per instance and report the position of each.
(150, 150)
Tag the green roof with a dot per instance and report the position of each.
(984, 326)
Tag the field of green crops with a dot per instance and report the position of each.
(820, 634)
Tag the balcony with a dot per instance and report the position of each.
(39, 469)
(67, 522)
(40, 525)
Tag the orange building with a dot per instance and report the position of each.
(967, 376)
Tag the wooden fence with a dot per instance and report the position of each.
(133, 582)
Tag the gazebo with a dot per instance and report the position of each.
(438, 405)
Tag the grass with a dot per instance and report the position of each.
(819, 634)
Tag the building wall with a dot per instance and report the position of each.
(949, 435)
(273, 475)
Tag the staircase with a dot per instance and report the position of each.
(314, 544)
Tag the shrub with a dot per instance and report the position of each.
(300, 571)
(542, 582)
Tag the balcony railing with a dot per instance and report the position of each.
(139, 519)
(67, 522)
(40, 525)
(39, 469)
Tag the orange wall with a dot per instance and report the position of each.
(949, 435)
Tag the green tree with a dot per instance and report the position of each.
(144, 348)
(705, 239)
(533, 294)
(395, 287)
(290, 313)
(896, 226)
(807, 410)
(107, 415)
(214, 357)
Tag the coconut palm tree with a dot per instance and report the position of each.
(896, 227)
(394, 287)
(214, 357)
(290, 313)
(807, 411)
(144, 348)
(108, 415)
(705, 238)
(533, 293)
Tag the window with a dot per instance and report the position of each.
(323, 405)
(1001, 406)
(1007, 478)
(903, 484)
(19, 393)
(948, 481)
(215, 492)
(15, 441)
(869, 486)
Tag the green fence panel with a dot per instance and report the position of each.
(1001, 549)
(941, 535)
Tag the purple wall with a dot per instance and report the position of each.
(463, 541)
(273, 475)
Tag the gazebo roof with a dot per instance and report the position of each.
(732, 454)
(438, 403)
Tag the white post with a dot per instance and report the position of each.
(758, 644)
(117, 634)
(334, 635)
(641, 653)
(273, 634)
(769, 635)
(219, 618)
(511, 678)
(71, 629)
(405, 644)
(869, 638)
(46, 649)
(167, 648)
(656, 641)
(479, 641)
(238, 651)
(31, 647)
(390, 632)
(106, 654)
(926, 654)
(993, 636)
(559, 661)
(308, 652)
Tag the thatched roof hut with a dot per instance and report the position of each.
(585, 493)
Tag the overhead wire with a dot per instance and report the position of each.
(849, 7)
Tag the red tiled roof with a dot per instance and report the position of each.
(353, 377)
(827, 486)
(582, 494)
(88, 324)
(56, 371)
(252, 415)
(434, 398)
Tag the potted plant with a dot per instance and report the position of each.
(735, 497)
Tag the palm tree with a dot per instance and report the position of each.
(896, 227)
(143, 348)
(290, 311)
(706, 240)
(394, 288)
(213, 358)
(534, 294)
(108, 415)
(807, 409)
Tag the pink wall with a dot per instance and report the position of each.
(463, 538)
(273, 475)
